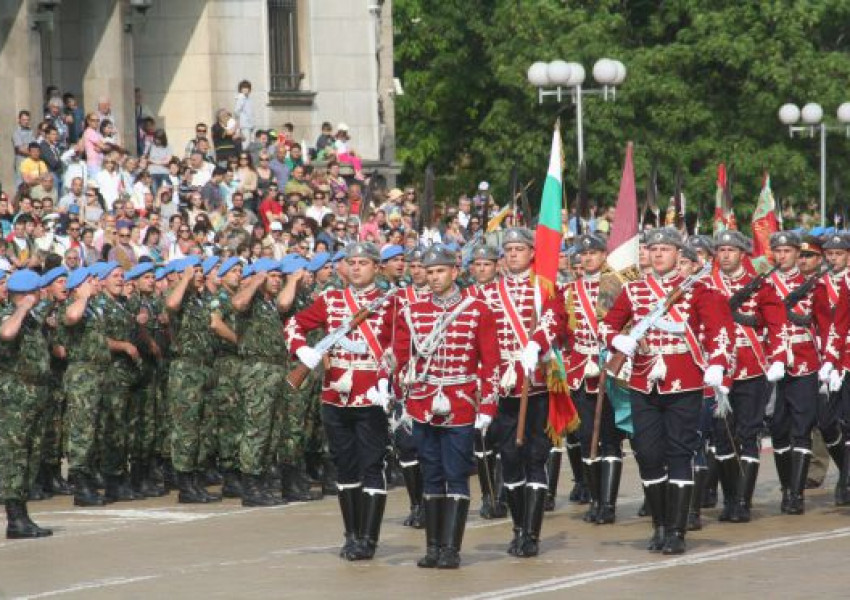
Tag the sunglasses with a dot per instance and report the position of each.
(72, 229)
(184, 231)
(123, 235)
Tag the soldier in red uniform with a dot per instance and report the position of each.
(514, 300)
(450, 371)
(760, 355)
(354, 393)
(809, 329)
(671, 366)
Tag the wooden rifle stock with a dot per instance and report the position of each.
(615, 363)
(523, 398)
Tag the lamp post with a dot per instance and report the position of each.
(811, 116)
(563, 79)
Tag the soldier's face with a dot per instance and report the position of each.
(146, 283)
(394, 268)
(483, 271)
(114, 283)
(809, 262)
(274, 280)
(418, 274)
(441, 278)
(563, 261)
(232, 278)
(663, 258)
(837, 259)
(786, 257)
(58, 290)
(592, 260)
(728, 258)
(198, 279)
(518, 257)
(361, 271)
(643, 256)
(323, 274)
(687, 266)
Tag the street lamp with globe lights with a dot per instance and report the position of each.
(563, 79)
(811, 117)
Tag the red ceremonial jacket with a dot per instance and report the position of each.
(837, 286)
(462, 362)
(580, 297)
(350, 374)
(667, 360)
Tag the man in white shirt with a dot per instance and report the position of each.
(201, 169)
(109, 182)
(319, 208)
(73, 197)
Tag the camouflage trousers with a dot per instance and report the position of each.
(142, 421)
(310, 395)
(162, 443)
(116, 421)
(188, 386)
(83, 385)
(55, 413)
(223, 419)
(22, 407)
(263, 389)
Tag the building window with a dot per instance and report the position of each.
(283, 46)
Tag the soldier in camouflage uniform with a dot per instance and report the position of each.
(24, 369)
(118, 409)
(83, 331)
(190, 377)
(210, 432)
(163, 469)
(226, 398)
(392, 268)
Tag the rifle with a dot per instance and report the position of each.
(797, 295)
(661, 308)
(737, 299)
(297, 376)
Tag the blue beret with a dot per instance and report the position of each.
(106, 269)
(391, 252)
(78, 276)
(264, 265)
(209, 264)
(161, 272)
(52, 275)
(451, 246)
(247, 271)
(292, 263)
(139, 270)
(172, 266)
(319, 261)
(190, 261)
(228, 264)
(340, 255)
(24, 281)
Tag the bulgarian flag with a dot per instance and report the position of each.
(724, 217)
(765, 222)
(563, 416)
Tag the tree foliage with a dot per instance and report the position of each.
(705, 81)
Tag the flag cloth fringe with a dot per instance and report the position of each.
(563, 416)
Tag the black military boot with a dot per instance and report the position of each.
(454, 513)
(709, 494)
(370, 524)
(516, 506)
(137, 480)
(729, 473)
(169, 476)
(695, 511)
(116, 490)
(156, 479)
(609, 488)
(800, 458)
(433, 509)
(189, 492)
(199, 481)
(98, 479)
(746, 488)
(491, 506)
(85, 494)
(350, 499)
(842, 487)
(56, 484)
(783, 471)
(252, 493)
(292, 485)
(678, 503)
(38, 489)
(836, 451)
(535, 496)
(210, 473)
(592, 472)
(19, 525)
(232, 487)
(656, 500)
(579, 493)
(553, 470)
(413, 484)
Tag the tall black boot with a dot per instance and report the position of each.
(579, 493)
(117, 490)
(553, 470)
(253, 494)
(491, 507)
(38, 490)
(609, 488)
(349, 505)
(656, 500)
(372, 514)
(232, 487)
(189, 493)
(535, 496)
(139, 480)
(677, 504)
(709, 494)
(453, 524)
(85, 494)
(746, 488)
(695, 512)
(517, 508)
(293, 490)
(729, 473)
(433, 509)
(842, 488)
(56, 484)
(200, 482)
(800, 458)
(19, 525)
(836, 451)
(592, 471)
(783, 471)
(413, 483)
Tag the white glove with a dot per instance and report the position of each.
(309, 357)
(625, 344)
(379, 394)
(529, 356)
(836, 378)
(482, 421)
(713, 376)
(775, 372)
(825, 370)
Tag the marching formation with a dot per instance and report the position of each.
(266, 376)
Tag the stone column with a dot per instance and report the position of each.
(386, 85)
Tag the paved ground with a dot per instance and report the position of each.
(158, 549)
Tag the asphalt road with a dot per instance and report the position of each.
(159, 549)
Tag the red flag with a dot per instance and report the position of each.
(765, 221)
(623, 245)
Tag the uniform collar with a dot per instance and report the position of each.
(736, 275)
(791, 273)
(518, 277)
(448, 301)
(592, 278)
(364, 290)
(667, 277)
